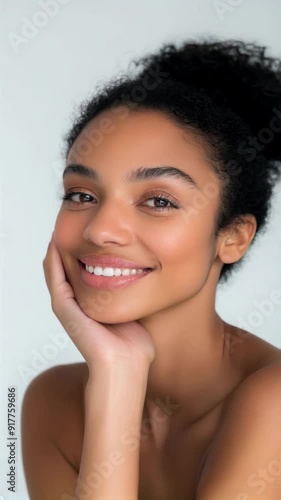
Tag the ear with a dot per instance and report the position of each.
(235, 241)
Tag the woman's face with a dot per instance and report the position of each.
(123, 218)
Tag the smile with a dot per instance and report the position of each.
(108, 278)
(112, 271)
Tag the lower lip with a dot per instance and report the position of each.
(109, 283)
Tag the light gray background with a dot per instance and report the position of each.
(42, 77)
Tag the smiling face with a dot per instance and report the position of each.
(122, 217)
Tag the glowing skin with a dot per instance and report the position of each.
(176, 302)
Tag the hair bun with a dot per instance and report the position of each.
(236, 75)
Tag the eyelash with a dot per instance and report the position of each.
(161, 196)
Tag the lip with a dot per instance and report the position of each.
(108, 261)
(108, 282)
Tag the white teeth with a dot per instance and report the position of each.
(117, 272)
(110, 271)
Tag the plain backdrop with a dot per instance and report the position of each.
(51, 59)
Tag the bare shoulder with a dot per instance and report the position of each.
(249, 352)
(59, 385)
(57, 393)
(244, 459)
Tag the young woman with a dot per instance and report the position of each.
(168, 178)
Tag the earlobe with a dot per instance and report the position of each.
(235, 246)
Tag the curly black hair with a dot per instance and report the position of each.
(226, 92)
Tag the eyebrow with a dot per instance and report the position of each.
(140, 174)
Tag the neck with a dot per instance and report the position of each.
(188, 375)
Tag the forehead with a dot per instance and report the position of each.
(125, 138)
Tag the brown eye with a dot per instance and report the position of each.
(79, 197)
(164, 202)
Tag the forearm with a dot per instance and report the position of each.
(109, 469)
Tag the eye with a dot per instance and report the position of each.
(69, 197)
(163, 200)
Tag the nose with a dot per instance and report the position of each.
(110, 225)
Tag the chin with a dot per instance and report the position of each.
(104, 313)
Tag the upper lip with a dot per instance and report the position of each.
(108, 261)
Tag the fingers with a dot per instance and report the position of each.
(62, 295)
(46, 264)
(53, 267)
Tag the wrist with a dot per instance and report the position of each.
(117, 377)
(114, 368)
(108, 392)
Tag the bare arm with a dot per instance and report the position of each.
(114, 405)
(118, 358)
(110, 454)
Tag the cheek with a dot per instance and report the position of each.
(66, 233)
(189, 246)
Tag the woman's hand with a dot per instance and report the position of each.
(99, 343)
